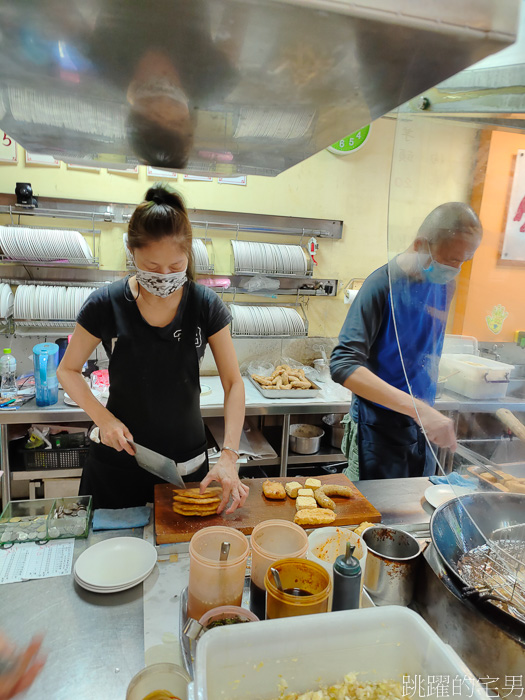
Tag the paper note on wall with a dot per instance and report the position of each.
(514, 240)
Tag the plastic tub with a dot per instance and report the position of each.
(272, 540)
(477, 377)
(328, 543)
(227, 611)
(251, 662)
(164, 676)
(299, 574)
(212, 582)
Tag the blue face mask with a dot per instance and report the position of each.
(436, 273)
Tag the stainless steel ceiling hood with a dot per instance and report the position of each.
(225, 86)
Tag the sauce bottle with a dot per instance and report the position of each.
(347, 581)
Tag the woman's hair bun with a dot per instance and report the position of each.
(162, 194)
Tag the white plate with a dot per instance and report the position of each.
(112, 589)
(115, 562)
(441, 493)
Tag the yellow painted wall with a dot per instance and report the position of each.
(354, 188)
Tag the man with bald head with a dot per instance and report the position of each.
(392, 338)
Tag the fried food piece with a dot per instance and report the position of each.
(292, 488)
(263, 381)
(274, 490)
(306, 492)
(323, 492)
(312, 484)
(362, 527)
(302, 502)
(298, 384)
(516, 486)
(194, 512)
(197, 501)
(314, 516)
(211, 492)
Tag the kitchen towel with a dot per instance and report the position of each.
(454, 479)
(121, 518)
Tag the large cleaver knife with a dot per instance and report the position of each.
(157, 464)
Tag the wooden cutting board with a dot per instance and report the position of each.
(170, 527)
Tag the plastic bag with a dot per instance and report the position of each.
(260, 283)
(262, 368)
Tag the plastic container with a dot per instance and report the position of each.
(38, 459)
(328, 543)
(297, 574)
(250, 662)
(347, 581)
(477, 377)
(45, 360)
(164, 676)
(226, 611)
(62, 523)
(34, 521)
(8, 388)
(272, 540)
(213, 582)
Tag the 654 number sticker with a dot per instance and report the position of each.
(351, 143)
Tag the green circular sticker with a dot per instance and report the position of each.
(351, 143)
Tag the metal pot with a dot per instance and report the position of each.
(305, 439)
(336, 429)
(391, 566)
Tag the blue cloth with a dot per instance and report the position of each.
(454, 479)
(121, 518)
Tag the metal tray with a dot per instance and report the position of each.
(287, 393)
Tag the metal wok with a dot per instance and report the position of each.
(454, 533)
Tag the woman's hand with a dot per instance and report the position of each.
(225, 472)
(21, 668)
(114, 433)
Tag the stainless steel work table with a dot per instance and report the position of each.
(95, 643)
(212, 406)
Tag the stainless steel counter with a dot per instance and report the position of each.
(94, 643)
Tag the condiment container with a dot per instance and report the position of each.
(302, 575)
(328, 543)
(347, 581)
(163, 676)
(213, 582)
(227, 611)
(391, 568)
(272, 540)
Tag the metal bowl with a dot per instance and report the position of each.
(336, 429)
(305, 439)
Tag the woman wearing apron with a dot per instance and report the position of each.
(154, 327)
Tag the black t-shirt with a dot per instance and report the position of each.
(97, 317)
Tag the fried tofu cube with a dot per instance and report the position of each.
(303, 502)
(313, 484)
(292, 488)
(305, 492)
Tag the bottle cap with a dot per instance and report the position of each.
(7, 351)
(347, 564)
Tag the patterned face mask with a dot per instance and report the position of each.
(161, 285)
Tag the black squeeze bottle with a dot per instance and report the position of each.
(347, 581)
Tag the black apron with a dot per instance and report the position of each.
(155, 392)
(391, 445)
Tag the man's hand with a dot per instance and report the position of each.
(438, 428)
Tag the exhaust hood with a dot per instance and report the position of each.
(229, 87)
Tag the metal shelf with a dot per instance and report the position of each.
(71, 263)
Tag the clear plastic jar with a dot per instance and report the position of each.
(213, 582)
(271, 541)
(299, 575)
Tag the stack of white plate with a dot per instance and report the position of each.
(115, 565)
(43, 244)
(7, 301)
(271, 258)
(266, 321)
(49, 303)
(200, 255)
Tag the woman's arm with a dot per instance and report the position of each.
(225, 471)
(112, 431)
